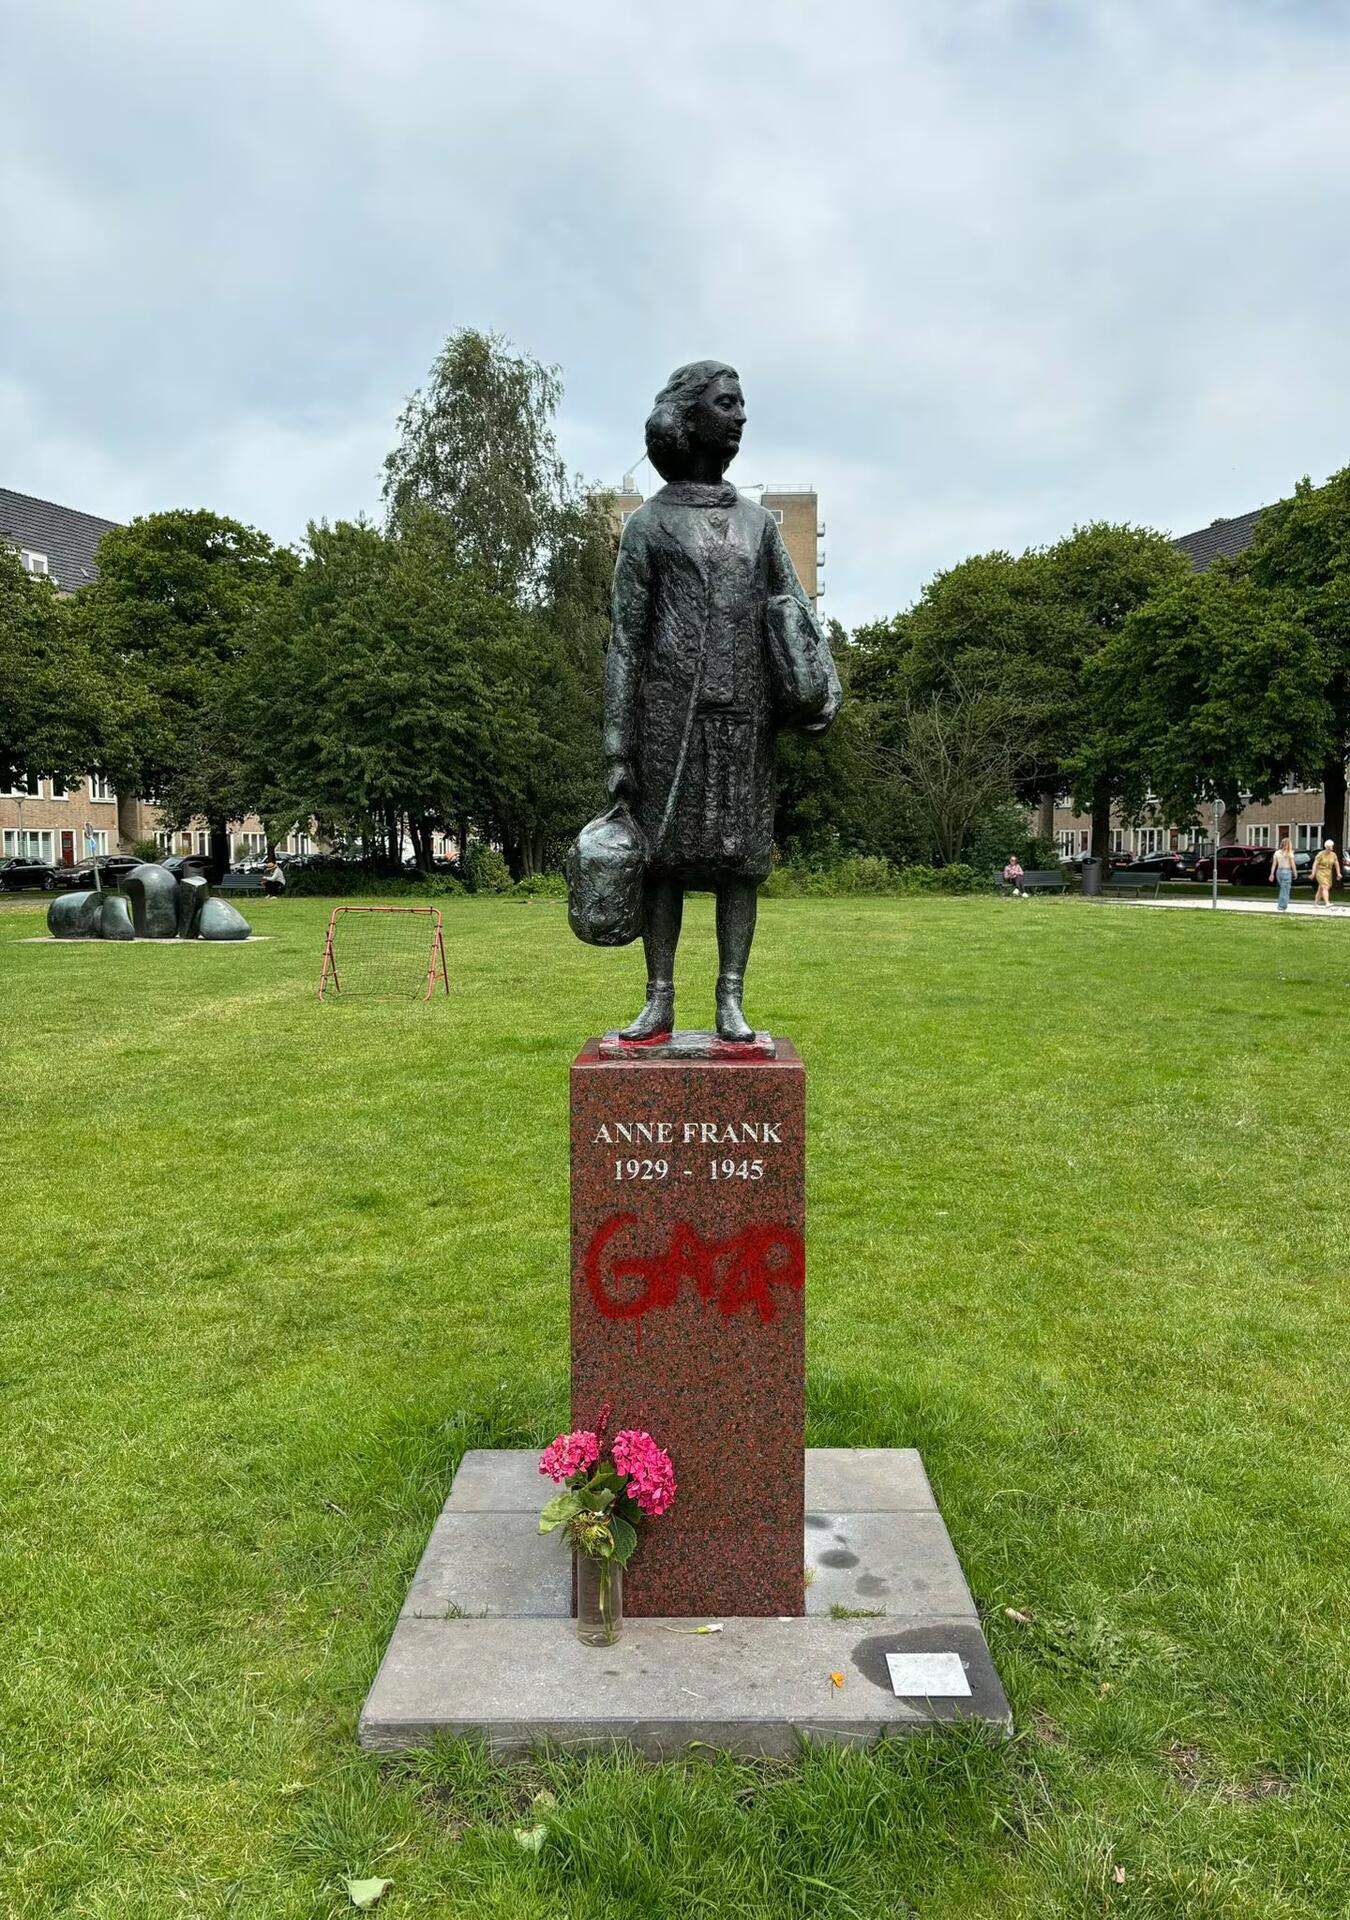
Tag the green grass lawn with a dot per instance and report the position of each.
(1079, 1212)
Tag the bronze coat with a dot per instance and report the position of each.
(687, 700)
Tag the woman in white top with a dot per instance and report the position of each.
(1282, 870)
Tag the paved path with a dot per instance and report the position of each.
(1304, 909)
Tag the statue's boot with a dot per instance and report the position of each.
(657, 1017)
(731, 1022)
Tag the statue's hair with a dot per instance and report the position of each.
(668, 421)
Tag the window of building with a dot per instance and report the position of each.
(25, 788)
(627, 515)
(96, 841)
(59, 790)
(1307, 836)
(249, 843)
(1117, 839)
(775, 514)
(300, 843)
(1149, 839)
(164, 841)
(100, 787)
(28, 843)
(33, 562)
(1067, 842)
(1258, 836)
(201, 841)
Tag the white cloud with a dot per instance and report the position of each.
(987, 269)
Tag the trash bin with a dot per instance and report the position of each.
(1092, 876)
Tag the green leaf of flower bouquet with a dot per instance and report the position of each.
(597, 1499)
(625, 1539)
(561, 1508)
(627, 1508)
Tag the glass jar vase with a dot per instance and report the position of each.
(599, 1601)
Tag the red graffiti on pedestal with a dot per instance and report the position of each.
(740, 1272)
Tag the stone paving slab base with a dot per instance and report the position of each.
(485, 1646)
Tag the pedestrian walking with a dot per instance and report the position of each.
(1012, 875)
(1326, 868)
(1282, 870)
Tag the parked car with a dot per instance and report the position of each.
(1230, 859)
(1168, 865)
(184, 866)
(113, 869)
(1255, 872)
(17, 875)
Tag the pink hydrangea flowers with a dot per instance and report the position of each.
(651, 1477)
(645, 1467)
(570, 1453)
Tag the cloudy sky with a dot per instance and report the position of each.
(988, 267)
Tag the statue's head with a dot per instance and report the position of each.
(699, 411)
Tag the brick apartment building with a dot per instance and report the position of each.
(797, 511)
(1297, 811)
(40, 819)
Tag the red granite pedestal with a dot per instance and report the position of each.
(688, 1311)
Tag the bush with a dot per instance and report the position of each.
(1005, 831)
(485, 871)
(957, 878)
(868, 873)
(340, 882)
(149, 850)
(541, 886)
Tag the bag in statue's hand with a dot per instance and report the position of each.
(605, 866)
(802, 674)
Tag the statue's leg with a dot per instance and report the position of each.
(663, 910)
(737, 905)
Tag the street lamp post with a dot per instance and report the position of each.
(1214, 863)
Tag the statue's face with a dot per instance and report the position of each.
(717, 417)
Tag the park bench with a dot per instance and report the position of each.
(1137, 884)
(241, 883)
(1041, 880)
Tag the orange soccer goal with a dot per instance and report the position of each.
(384, 953)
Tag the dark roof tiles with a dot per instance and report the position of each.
(1222, 540)
(68, 539)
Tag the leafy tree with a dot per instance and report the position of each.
(551, 771)
(60, 711)
(959, 753)
(391, 673)
(1211, 687)
(176, 607)
(840, 794)
(1301, 552)
(477, 445)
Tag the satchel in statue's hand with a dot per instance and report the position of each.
(802, 674)
(605, 867)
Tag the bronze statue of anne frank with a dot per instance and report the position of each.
(714, 647)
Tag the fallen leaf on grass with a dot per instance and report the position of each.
(1118, 1875)
(365, 1893)
(544, 1800)
(531, 1838)
(1016, 1613)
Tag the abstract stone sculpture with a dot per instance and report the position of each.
(114, 919)
(157, 906)
(220, 921)
(715, 648)
(152, 892)
(74, 916)
(192, 894)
